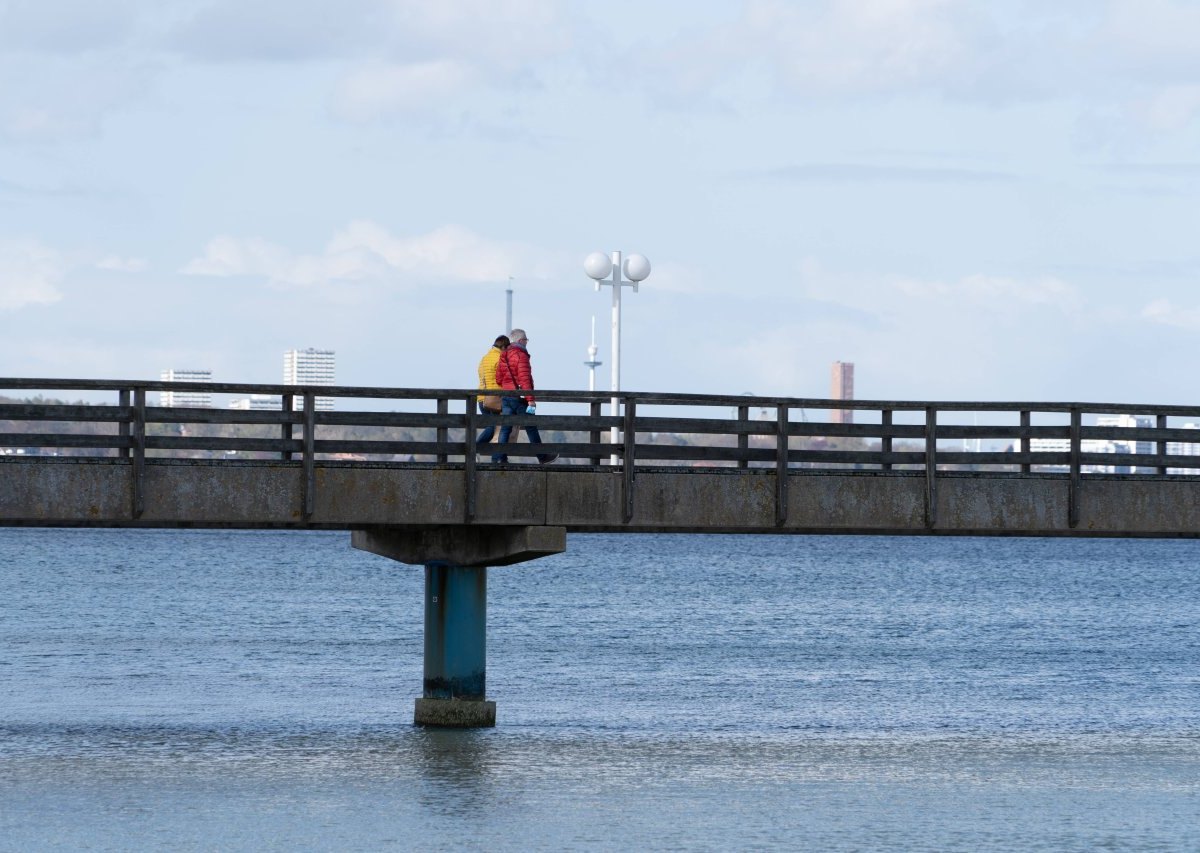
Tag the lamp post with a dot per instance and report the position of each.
(603, 269)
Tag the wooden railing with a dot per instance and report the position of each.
(433, 426)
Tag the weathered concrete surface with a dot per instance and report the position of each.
(473, 545)
(271, 494)
(52, 491)
(455, 713)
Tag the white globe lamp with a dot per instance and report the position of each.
(637, 267)
(598, 266)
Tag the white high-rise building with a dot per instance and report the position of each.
(185, 399)
(309, 367)
(257, 403)
(1102, 445)
(1184, 448)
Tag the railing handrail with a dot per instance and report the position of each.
(640, 397)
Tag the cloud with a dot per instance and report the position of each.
(278, 30)
(1171, 107)
(1168, 314)
(868, 173)
(366, 252)
(1154, 39)
(69, 98)
(381, 89)
(857, 46)
(116, 263)
(997, 293)
(29, 274)
(65, 26)
(497, 33)
(1134, 59)
(431, 53)
(833, 48)
(901, 298)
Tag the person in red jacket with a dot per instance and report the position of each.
(514, 374)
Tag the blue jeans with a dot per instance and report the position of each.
(489, 431)
(514, 406)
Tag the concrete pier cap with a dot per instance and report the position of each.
(462, 545)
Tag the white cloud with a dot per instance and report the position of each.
(29, 274)
(972, 298)
(769, 360)
(117, 263)
(996, 292)
(678, 278)
(1154, 37)
(506, 34)
(1168, 314)
(55, 97)
(834, 47)
(65, 26)
(1133, 57)
(503, 33)
(860, 46)
(366, 252)
(433, 52)
(380, 89)
(1171, 107)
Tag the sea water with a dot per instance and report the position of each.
(215, 690)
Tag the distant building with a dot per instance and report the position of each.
(843, 389)
(309, 367)
(257, 403)
(185, 399)
(1103, 445)
(1184, 448)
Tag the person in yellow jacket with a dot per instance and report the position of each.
(487, 382)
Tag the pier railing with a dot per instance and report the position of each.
(408, 426)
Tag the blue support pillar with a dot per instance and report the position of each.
(455, 648)
(456, 559)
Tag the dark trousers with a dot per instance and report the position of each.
(489, 431)
(514, 406)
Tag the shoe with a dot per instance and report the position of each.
(500, 460)
(548, 458)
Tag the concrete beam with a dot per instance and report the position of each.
(516, 508)
(463, 545)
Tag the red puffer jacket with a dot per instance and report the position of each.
(512, 371)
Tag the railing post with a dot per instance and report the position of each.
(781, 464)
(286, 405)
(469, 459)
(630, 445)
(930, 467)
(885, 440)
(1076, 451)
(594, 436)
(743, 439)
(1161, 446)
(123, 426)
(1026, 444)
(309, 484)
(443, 407)
(139, 451)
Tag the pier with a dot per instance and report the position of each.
(396, 468)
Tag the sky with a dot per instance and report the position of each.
(991, 201)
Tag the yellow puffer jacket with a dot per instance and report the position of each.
(487, 370)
